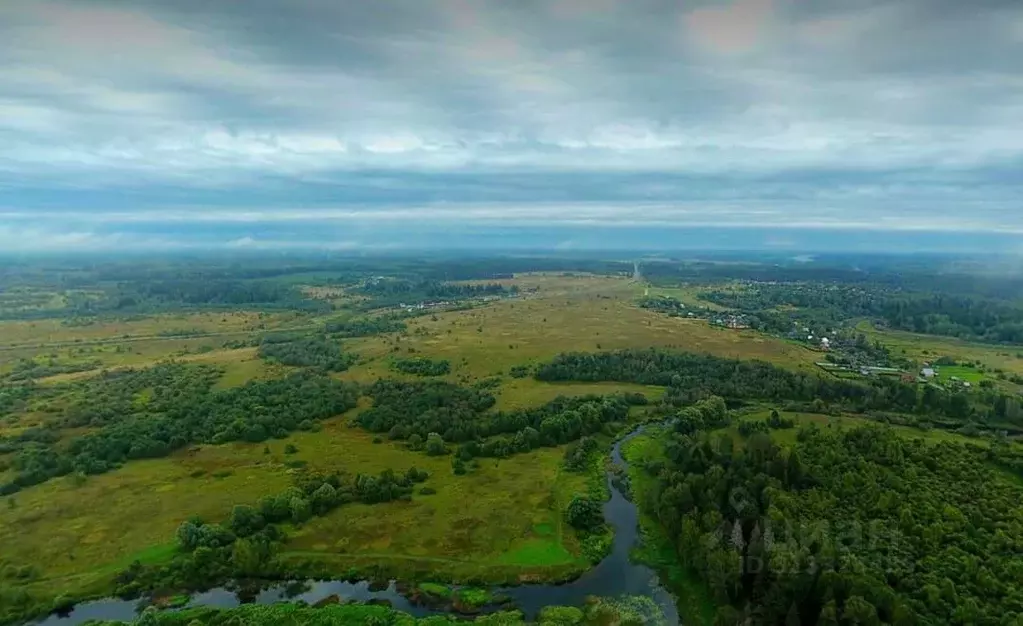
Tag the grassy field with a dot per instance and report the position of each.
(968, 374)
(689, 296)
(929, 347)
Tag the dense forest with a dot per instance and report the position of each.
(854, 527)
(967, 317)
(153, 412)
(693, 376)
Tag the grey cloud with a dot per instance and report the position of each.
(902, 106)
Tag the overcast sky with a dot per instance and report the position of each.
(358, 123)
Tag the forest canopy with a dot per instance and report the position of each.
(853, 527)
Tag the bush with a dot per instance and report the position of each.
(458, 466)
(560, 616)
(435, 445)
(519, 371)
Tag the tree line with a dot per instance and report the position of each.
(441, 412)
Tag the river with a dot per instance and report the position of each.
(614, 576)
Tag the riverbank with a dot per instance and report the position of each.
(695, 604)
(615, 575)
(593, 613)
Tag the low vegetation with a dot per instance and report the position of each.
(625, 611)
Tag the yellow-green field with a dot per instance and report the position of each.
(567, 314)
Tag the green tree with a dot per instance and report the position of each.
(246, 558)
(792, 618)
(300, 510)
(829, 615)
(727, 615)
(585, 513)
(188, 534)
(860, 612)
(148, 617)
(245, 520)
(560, 616)
(324, 498)
(435, 445)
(458, 466)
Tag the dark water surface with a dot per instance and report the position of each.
(612, 577)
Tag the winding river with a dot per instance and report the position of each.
(614, 576)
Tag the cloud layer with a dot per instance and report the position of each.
(886, 115)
